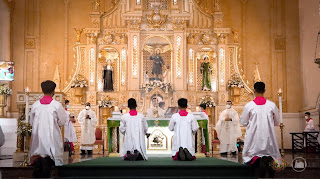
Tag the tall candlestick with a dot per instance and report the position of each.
(27, 105)
(280, 103)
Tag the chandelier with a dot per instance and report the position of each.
(317, 53)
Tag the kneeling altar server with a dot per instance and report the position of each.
(134, 128)
(184, 125)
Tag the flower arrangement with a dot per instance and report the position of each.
(208, 100)
(153, 84)
(235, 82)
(106, 103)
(79, 83)
(24, 128)
(5, 90)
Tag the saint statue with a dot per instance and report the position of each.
(108, 77)
(206, 71)
(157, 64)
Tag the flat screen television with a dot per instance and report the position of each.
(6, 71)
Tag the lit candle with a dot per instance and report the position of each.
(116, 108)
(124, 111)
(280, 103)
(197, 108)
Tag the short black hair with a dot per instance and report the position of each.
(229, 101)
(183, 103)
(307, 113)
(48, 87)
(203, 105)
(260, 87)
(132, 103)
(88, 104)
(66, 101)
(161, 104)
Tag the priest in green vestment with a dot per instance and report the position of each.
(206, 71)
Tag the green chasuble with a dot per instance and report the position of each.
(206, 70)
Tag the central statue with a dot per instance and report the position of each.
(157, 64)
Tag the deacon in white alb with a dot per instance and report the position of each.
(88, 120)
(47, 115)
(228, 130)
(260, 143)
(134, 128)
(184, 125)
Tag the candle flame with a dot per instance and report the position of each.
(280, 91)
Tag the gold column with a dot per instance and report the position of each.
(114, 143)
(199, 153)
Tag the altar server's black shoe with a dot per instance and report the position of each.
(137, 155)
(188, 154)
(181, 154)
(89, 152)
(83, 152)
(129, 157)
(224, 154)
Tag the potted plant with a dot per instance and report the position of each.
(5, 91)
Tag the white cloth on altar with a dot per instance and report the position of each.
(260, 139)
(134, 129)
(88, 127)
(204, 116)
(46, 135)
(228, 131)
(184, 128)
(69, 132)
(309, 126)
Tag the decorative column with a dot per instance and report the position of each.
(199, 153)
(114, 143)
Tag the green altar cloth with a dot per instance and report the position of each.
(160, 123)
(155, 167)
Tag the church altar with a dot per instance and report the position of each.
(155, 50)
(160, 139)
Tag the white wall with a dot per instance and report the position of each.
(4, 32)
(309, 13)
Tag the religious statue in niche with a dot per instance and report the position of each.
(145, 77)
(157, 64)
(206, 70)
(108, 77)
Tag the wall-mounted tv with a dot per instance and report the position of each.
(6, 71)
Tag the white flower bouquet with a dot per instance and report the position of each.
(208, 100)
(5, 90)
(79, 83)
(235, 82)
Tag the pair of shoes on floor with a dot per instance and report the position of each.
(224, 154)
(184, 154)
(133, 157)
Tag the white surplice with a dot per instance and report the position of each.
(2, 137)
(228, 131)
(88, 129)
(69, 132)
(184, 128)
(134, 129)
(46, 135)
(309, 126)
(260, 139)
